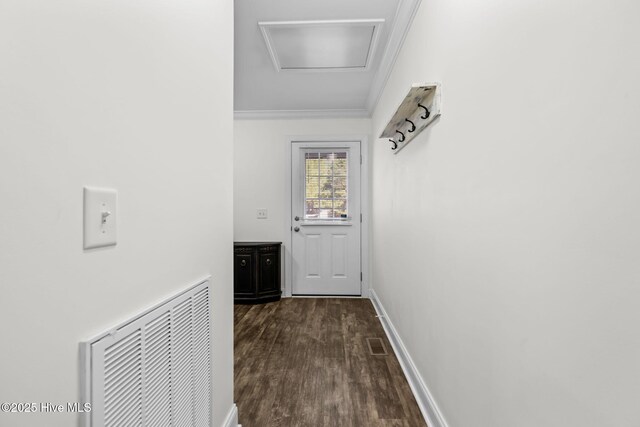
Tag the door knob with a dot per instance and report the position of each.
(296, 229)
(297, 218)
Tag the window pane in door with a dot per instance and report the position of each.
(312, 208)
(312, 187)
(340, 165)
(312, 163)
(340, 187)
(325, 164)
(326, 187)
(339, 207)
(326, 175)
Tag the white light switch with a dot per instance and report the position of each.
(100, 209)
(261, 213)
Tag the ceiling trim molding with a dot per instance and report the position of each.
(405, 13)
(299, 114)
(266, 26)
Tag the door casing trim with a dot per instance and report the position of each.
(365, 284)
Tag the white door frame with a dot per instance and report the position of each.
(364, 207)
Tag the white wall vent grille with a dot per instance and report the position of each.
(154, 370)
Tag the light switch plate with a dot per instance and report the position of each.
(100, 215)
(261, 213)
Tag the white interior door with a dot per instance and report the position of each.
(325, 211)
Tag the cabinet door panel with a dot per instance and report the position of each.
(244, 282)
(269, 272)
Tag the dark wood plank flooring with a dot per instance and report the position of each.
(306, 362)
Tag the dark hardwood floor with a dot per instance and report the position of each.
(307, 362)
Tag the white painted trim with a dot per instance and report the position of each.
(364, 206)
(232, 417)
(265, 28)
(426, 402)
(287, 274)
(405, 13)
(365, 209)
(298, 114)
(327, 297)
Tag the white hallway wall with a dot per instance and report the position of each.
(260, 170)
(506, 237)
(131, 95)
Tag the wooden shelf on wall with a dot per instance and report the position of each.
(418, 110)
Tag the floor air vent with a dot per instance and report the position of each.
(154, 370)
(376, 347)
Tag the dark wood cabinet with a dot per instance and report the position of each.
(256, 272)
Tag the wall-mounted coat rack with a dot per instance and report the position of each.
(420, 108)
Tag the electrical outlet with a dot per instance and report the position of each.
(261, 213)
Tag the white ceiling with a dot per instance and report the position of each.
(261, 91)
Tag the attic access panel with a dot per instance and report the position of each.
(344, 45)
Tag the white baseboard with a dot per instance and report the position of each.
(423, 396)
(232, 417)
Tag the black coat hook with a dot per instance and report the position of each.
(395, 145)
(426, 112)
(413, 127)
(402, 138)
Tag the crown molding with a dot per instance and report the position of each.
(405, 13)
